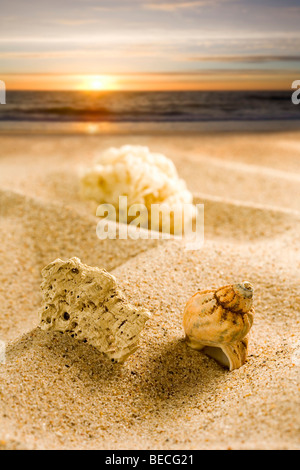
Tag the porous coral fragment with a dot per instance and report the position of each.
(85, 303)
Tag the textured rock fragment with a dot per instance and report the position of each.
(85, 303)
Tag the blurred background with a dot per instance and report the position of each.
(147, 61)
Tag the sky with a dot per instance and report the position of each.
(149, 44)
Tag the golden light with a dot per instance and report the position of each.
(96, 83)
(92, 128)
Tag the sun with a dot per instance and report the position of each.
(96, 83)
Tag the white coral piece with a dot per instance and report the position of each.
(144, 177)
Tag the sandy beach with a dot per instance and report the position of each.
(56, 393)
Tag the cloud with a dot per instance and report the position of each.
(247, 58)
(171, 6)
(154, 5)
(75, 22)
(92, 53)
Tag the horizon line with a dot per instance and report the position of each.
(144, 90)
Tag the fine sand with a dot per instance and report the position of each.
(56, 393)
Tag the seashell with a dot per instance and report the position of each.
(218, 321)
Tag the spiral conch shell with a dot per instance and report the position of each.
(218, 321)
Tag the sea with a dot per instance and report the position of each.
(61, 107)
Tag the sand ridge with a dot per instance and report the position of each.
(58, 393)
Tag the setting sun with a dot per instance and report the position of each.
(97, 83)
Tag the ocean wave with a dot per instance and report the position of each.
(147, 106)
